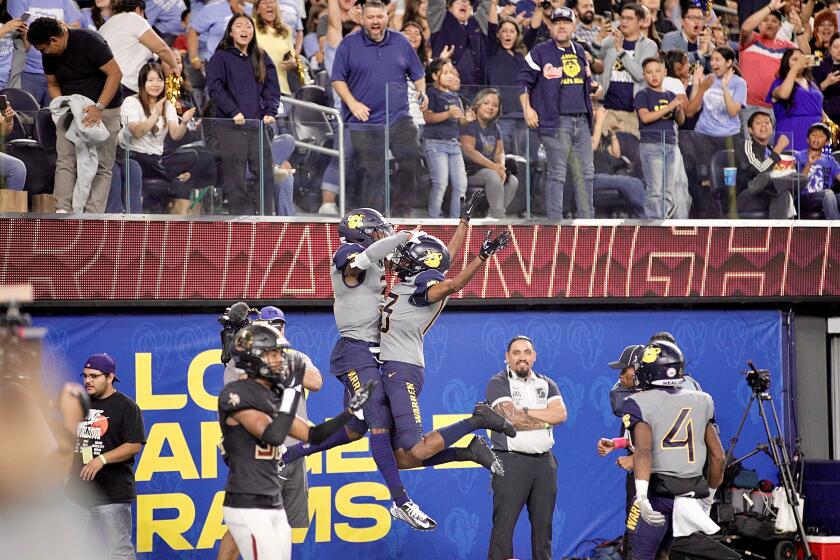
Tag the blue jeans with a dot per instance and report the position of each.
(631, 188)
(446, 165)
(111, 522)
(14, 171)
(36, 84)
(569, 145)
(827, 199)
(117, 196)
(282, 148)
(658, 166)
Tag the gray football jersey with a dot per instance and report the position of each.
(407, 316)
(357, 310)
(678, 420)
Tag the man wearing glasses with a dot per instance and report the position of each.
(101, 482)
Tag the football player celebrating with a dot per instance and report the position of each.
(414, 304)
(256, 414)
(672, 431)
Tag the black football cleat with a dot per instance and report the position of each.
(479, 452)
(485, 417)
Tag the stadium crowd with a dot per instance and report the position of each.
(692, 111)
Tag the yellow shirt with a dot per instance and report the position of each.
(276, 47)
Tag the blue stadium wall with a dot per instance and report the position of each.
(169, 364)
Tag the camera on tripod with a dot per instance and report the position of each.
(757, 379)
(232, 320)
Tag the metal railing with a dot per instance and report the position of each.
(339, 153)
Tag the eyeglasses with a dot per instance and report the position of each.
(91, 376)
(694, 18)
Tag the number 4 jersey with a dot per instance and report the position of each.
(678, 420)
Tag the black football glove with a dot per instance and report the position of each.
(469, 205)
(360, 398)
(293, 369)
(489, 247)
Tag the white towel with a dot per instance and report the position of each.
(688, 517)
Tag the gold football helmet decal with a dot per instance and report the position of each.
(355, 220)
(626, 420)
(432, 258)
(245, 340)
(650, 355)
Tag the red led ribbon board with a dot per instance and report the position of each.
(125, 260)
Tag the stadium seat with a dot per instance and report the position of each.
(26, 107)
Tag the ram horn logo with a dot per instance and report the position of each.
(432, 258)
(355, 221)
(650, 355)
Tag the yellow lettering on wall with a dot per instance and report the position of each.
(441, 420)
(214, 528)
(315, 463)
(195, 378)
(320, 510)
(345, 505)
(145, 398)
(338, 463)
(181, 460)
(170, 530)
(211, 433)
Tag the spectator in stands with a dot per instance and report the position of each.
(413, 11)
(11, 29)
(414, 33)
(647, 28)
(678, 82)
(623, 53)
(797, 100)
(133, 42)
(207, 28)
(539, 29)
(350, 16)
(611, 171)
(165, 17)
(721, 94)
(661, 23)
(822, 170)
(276, 39)
(506, 56)
(95, 17)
(452, 23)
(12, 170)
(310, 38)
(149, 117)
(760, 54)
(694, 38)
(443, 116)
(79, 61)
(827, 75)
(587, 30)
(32, 78)
(242, 82)
(290, 13)
(561, 111)
(659, 113)
(484, 152)
(825, 27)
(757, 190)
(359, 77)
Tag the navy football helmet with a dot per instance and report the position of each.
(361, 225)
(427, 252)
(662, 365)
(250, 346)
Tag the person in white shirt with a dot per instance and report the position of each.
(149, 116)
(133, 42)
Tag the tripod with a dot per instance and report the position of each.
(759, 382)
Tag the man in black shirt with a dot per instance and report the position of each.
(101, 481)
(79, 62)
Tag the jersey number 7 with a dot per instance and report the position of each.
(682, 425)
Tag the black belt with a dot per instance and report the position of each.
(524, 454)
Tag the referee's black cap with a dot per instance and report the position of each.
(630, 356)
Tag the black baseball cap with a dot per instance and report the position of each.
(563, 13)
(630, 356)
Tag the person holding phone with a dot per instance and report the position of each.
(827, 75)
(12, 170)
(11, 31)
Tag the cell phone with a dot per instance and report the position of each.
(813, 60)
(24, 17)
(4, 102)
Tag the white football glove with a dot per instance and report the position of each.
(706, 503)
(650, 515)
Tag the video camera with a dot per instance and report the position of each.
(232, 320)
(757, 379)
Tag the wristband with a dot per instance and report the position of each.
(641, 489)
(194, 58)
(620, 443)
(102, 458)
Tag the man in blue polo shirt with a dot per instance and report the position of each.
(556, 82)
(369, 66)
